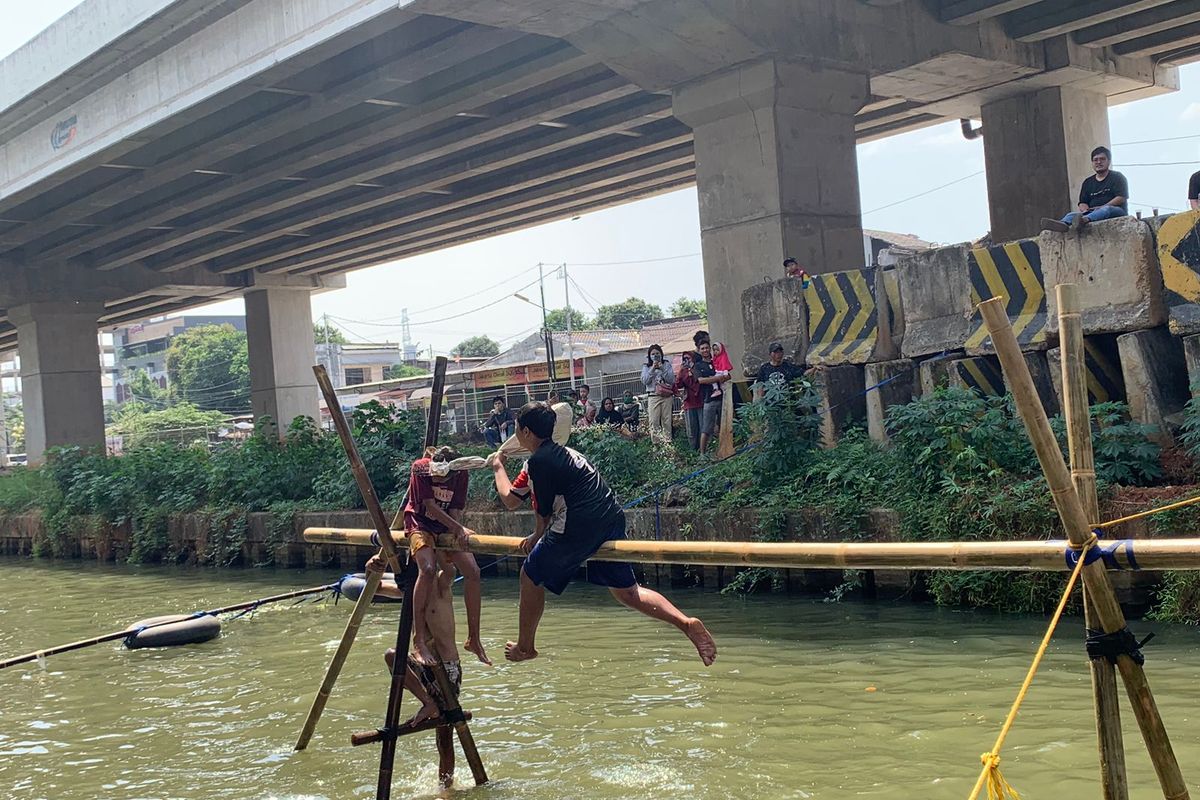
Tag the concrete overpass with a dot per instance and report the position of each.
(159, 154)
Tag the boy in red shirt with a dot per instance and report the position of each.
(436, 499)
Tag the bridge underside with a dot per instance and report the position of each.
(270, 145)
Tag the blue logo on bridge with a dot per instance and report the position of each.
(64, 133)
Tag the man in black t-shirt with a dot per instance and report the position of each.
(775, 371)
(1104, 195)
(1194, 191)
(576, 513)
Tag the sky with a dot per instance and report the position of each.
(927, 183)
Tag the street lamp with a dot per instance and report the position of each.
(549, 342)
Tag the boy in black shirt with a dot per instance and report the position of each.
(1104, 195)
(576, 514)
(776, 371)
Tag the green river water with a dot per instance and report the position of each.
(617, 707)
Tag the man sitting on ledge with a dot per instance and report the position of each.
(1103, 196)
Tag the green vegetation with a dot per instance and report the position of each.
(476, 347)
(398, 371)
(209, 367)
(631, 313)
(326, 332)
(958, 466)
(14, 428)
(686, 306)
(556, 320)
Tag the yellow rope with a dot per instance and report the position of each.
(998, 788)
(1181, 504)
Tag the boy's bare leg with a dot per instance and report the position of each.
(533, 602)
(426, 560)
(653, 604)
(704, 437)
(429, 708)
(473, 598)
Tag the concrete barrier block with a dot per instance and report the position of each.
(841, 390)
(1155, 372)
(1012, 271)
(1104, 379)
(897, 379)
(935, 292)
(1191, 356)
(932, 374)
(1179, 261)
(1115, 265)
(774, 311)
(843, 319)
(981, 373)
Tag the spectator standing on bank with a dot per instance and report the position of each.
(659, 379)
(1194, 191)
(586, 403)
(500, 424)
(1102, 196)
(775, 372)
(693, 402)
(710, 379)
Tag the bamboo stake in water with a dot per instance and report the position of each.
(1075, 522)
(1113, 779)
(373, 578)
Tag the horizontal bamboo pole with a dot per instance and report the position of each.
(1148, 554)
(370, 737)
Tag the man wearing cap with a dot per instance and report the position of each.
(776, 371)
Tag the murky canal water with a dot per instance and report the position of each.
(617, 707)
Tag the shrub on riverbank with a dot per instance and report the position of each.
(959, 466)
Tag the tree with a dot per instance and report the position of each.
(144, 389)
(183, 422)
(399, 371)
(475, 347)
(556, 320)
(209, 367)
(14, 428)
(321, 330)
(686, 306)
(633, 313)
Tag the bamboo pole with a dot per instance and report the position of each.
(1113, 778)
(367, 489)
(1074, 519)
(1045, 556)
(124, 632)
(387, 753)
(452, 711)
(371, 737)
(725, 440)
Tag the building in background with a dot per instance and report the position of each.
(353, 364)
(144, 347)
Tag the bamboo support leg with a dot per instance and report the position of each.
(1113, 778)
(387, 753)
(1075, 522)
(453, 711)
(367, 490)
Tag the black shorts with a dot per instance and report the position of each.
(556, 557)
(427, 678)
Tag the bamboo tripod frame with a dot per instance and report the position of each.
(1114, 781)
(1075, 521)
(406, 570)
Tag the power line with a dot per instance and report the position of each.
(926, 192)
(1156, 141)
(622, 263)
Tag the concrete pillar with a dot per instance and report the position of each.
(60, 375)
(279, 332)
(1036, 149)
(842, 400)
(777, 176)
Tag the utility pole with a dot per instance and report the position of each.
(334, 373)
(546, 336)
(570, 349)
(4, 416)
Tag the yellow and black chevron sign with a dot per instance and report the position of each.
(1179, 259)
(1105, 382)
(1012, 271)
(981, 373)
(843, 322)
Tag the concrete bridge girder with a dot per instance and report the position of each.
(772, 98)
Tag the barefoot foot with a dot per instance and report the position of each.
(705, 646)
(514, 653)
(475, 646)
(427, 712)
(421, 652)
